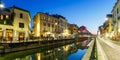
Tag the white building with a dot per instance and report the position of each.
(14, 24)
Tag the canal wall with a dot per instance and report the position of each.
(13, 47)
(89, 51)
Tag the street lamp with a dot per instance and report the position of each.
(1, 5)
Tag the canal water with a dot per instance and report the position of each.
(74, 51)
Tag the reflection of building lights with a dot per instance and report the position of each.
(56, 59)
(66, 48)
(73, 44)
(38, 56)
(59, 49)
(48, 51)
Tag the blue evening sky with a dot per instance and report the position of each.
(90, 13)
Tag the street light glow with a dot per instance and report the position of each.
(1, 6)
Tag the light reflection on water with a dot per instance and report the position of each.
(74, 51)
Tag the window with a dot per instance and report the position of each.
(48, 25)
(48, 28)
(7, 16)
(21, 25)
(44, 24)
(52, 25)
(52, 20)
(117, 10)
(48, 18)
(21, 15)
(44, 29)
(44, 17)
(4, 16)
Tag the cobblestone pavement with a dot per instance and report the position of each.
(111, 49)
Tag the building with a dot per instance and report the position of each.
(107, 30)
(43, 25)
(62, 29)
(73, 28)
(14, 24)
(46, 25)
(116, 19)
(108, 26)
(101, 29)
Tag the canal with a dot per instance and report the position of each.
(74, 51)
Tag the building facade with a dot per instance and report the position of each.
(107, 30)
(14, 24)
(116, 19)
(73, 29)
(46, 25)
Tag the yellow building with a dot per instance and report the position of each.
(46, 25)
(62, 29)
(14, 24)
(73, 29)
(108, 26)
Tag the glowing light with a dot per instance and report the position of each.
(1, 5)
(112, 34)
(119, 30)
(107, 34)
(66, 48)
(38, 29)
(38, 56)
(55, 23)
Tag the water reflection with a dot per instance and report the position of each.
(78, 55)
(66, 52)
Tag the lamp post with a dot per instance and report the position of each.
(1, 5)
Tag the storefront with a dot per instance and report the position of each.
(9, 34)
(21, 36)
(1, 34)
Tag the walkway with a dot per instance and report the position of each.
(111, 50)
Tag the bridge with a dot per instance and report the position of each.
(103, 49)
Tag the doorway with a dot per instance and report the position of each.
(21, 35)
(9, 34)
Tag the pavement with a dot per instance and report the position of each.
(110, 49)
